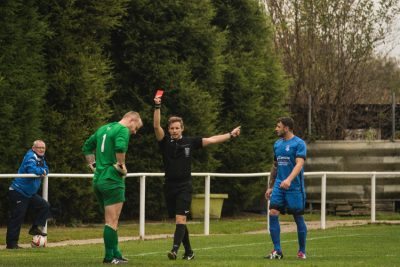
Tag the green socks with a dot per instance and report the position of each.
(110, 237)
(117, 252)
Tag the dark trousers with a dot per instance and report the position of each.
(19, 205)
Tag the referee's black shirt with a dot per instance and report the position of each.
(177, 157)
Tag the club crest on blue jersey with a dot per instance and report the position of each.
(287, 148)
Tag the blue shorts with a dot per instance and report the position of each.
(292, 201)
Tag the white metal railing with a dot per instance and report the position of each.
(322, 175)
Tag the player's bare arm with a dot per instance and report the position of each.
(91, 160)
(120, 165)
(271, 182)
(216, 139)
(296, 170)
(158, 130)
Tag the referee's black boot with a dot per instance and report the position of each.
(172, 255)
(188, 255)
(13, 247)
(35, 230)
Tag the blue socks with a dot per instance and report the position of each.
(301, 232)
(275, 232)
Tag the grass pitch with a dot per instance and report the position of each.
(368, 245)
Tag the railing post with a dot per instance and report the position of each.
(373, 196)
(45, 195)
(323, 201)
(142, 206)
(207, 205)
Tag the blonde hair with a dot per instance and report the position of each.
(131, 114)
(134, 116)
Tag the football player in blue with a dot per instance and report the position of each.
(286, 186)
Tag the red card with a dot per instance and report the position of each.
(159, 93)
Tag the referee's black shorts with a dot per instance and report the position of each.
(178, 197)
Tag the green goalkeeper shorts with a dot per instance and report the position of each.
(107, 196)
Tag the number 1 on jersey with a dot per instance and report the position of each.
(102, 143)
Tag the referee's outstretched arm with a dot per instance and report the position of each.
(216, 139)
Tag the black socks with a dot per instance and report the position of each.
(179, 234)
(186, 241)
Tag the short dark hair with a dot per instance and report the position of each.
(286, 121)
(173, 119)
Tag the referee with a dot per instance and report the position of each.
(177, 157)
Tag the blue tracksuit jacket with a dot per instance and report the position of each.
(34, 164)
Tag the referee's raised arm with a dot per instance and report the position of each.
(158, 130)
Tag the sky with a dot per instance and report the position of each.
(392, 42)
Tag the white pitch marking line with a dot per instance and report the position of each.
(244, 245)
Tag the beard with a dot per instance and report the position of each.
(280, 134)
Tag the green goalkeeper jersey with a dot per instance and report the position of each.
(108, 140)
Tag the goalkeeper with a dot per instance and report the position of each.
(105, 154)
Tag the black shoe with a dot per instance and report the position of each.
(278, 255)
(36, 231)
(172, 255)
(13, 247)
(122, 259)
(114, 261)
(188, 256)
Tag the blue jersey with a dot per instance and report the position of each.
(285, 154)
(34, 164)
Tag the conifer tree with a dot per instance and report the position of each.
(254, 89)
(23, 33)
(172, 45)
(22, 79)
(80, 76)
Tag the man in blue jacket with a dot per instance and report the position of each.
(23, 194)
